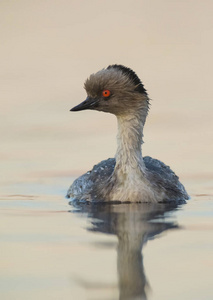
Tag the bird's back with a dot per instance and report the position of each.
(160, 176)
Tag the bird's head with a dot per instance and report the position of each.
(117, 90)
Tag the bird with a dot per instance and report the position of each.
(128, 177)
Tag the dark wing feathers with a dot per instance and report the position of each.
(158, 174)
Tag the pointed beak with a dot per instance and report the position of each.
(89, 103)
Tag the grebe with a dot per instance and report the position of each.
(128, 177)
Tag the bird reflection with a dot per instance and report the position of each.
(134, 225)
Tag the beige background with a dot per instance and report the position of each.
(48, 48)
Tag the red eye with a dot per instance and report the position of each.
(106, 93)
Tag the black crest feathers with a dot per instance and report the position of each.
(132, 76)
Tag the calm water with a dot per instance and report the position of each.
(52, 250)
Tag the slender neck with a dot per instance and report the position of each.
(129, 140)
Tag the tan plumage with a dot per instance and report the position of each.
(128, 177)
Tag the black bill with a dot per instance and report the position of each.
(89, 103)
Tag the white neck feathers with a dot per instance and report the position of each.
(129, 139)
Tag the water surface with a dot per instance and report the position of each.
(141, 251)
